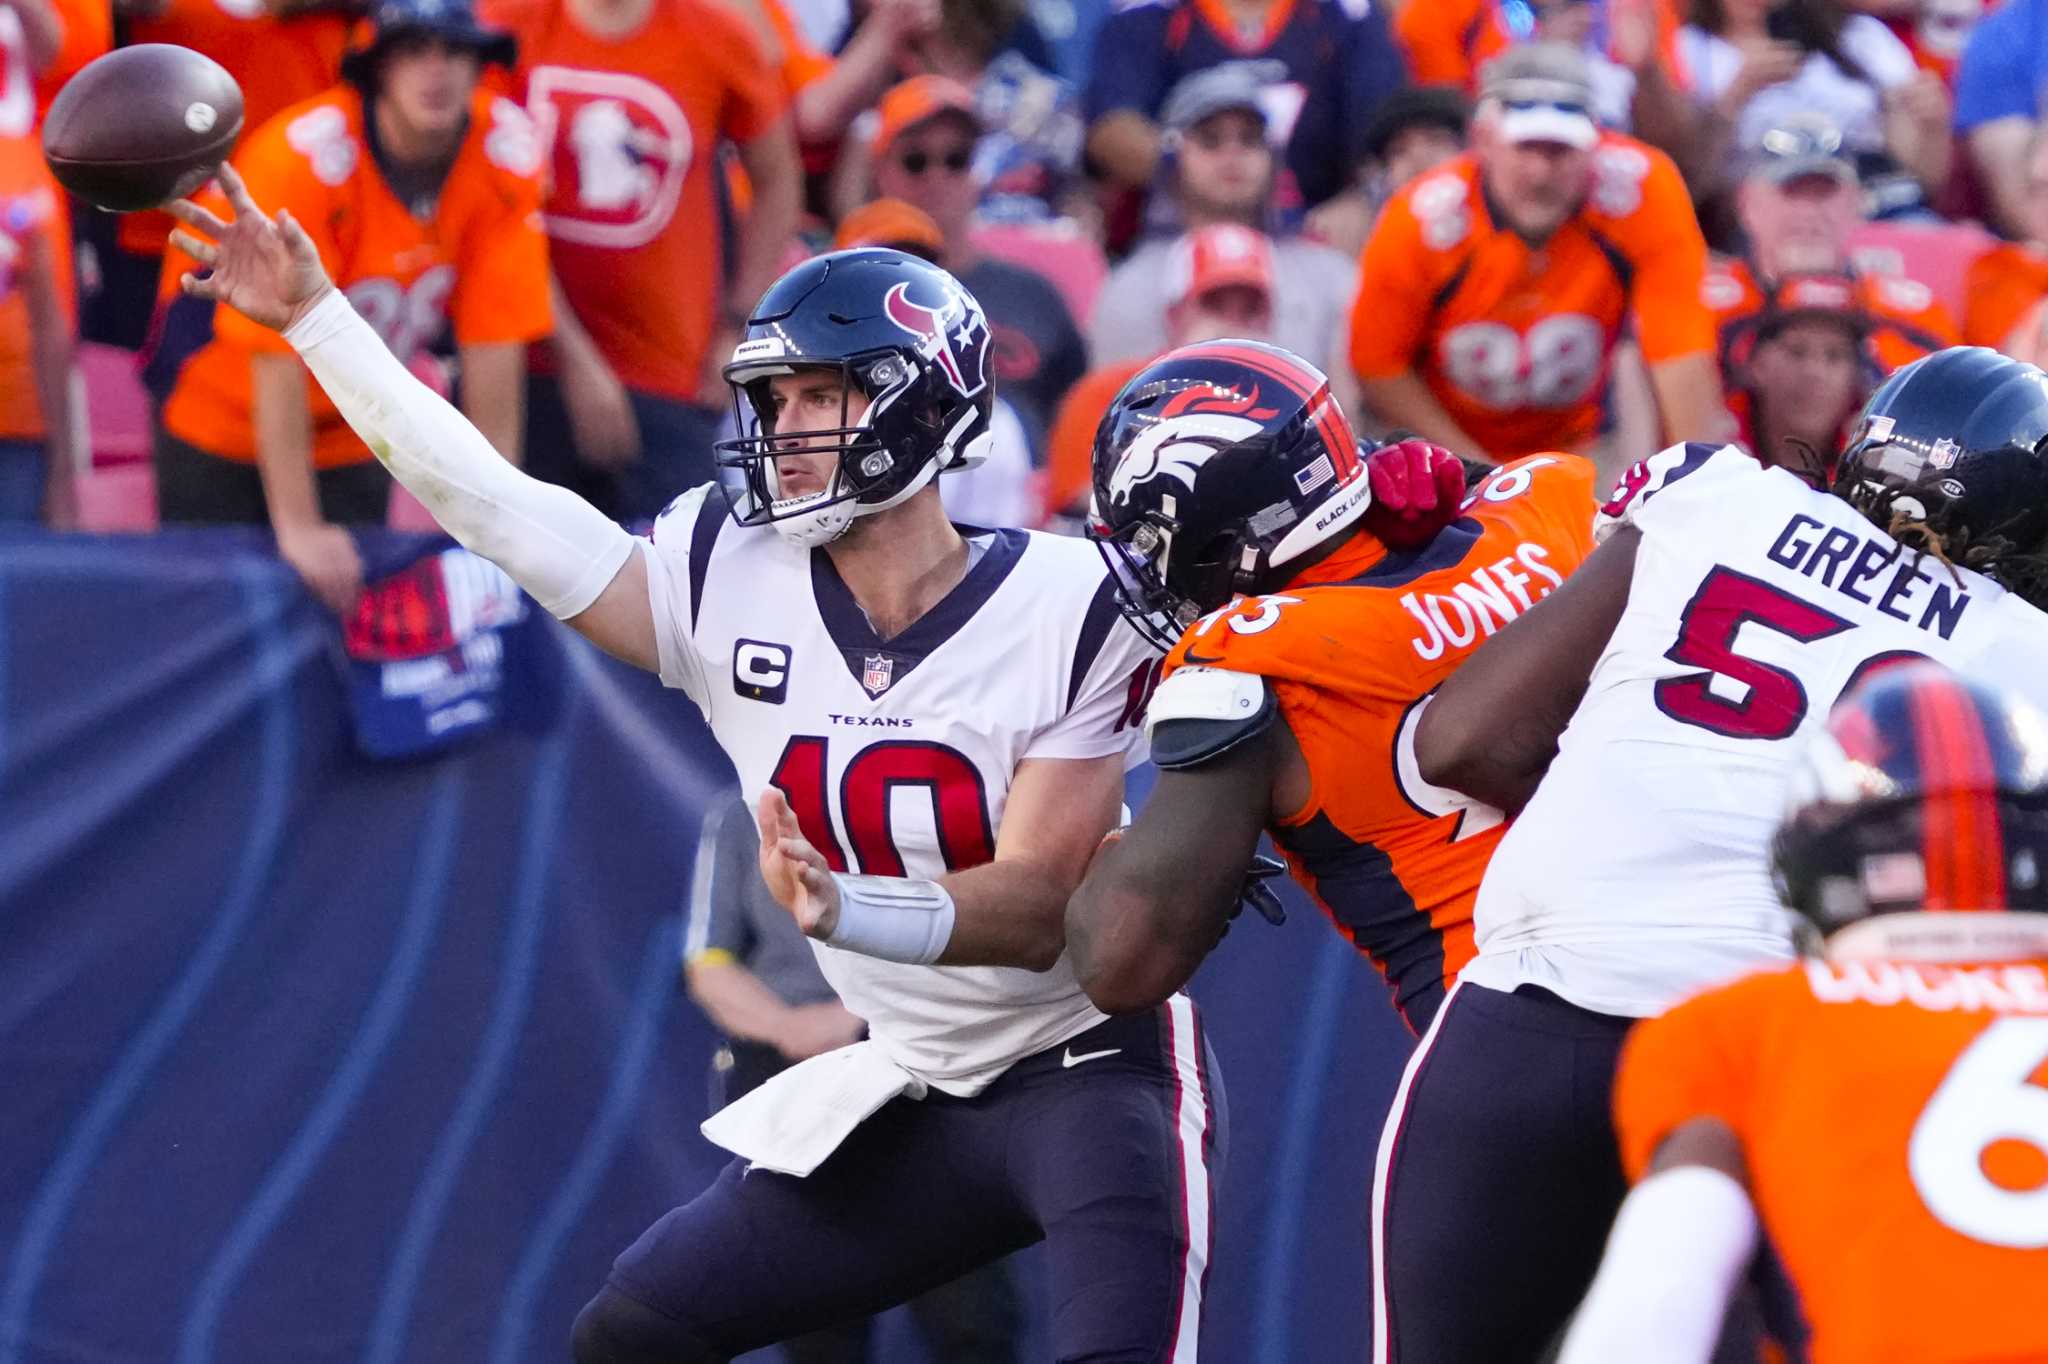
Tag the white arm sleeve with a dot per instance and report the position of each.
(1681, 1241)
(558, 547)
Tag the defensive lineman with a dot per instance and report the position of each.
(939, 725)
(1729, 608)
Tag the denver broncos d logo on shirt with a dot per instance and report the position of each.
(953, 335)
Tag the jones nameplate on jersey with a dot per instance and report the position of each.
(760, 671)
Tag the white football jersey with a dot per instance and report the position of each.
(897, 755)
(1639, 873)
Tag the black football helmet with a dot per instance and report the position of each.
(1220, 468)
(900, 330)
(1957, 441)
(1918, 822)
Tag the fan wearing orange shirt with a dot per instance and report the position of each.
(2006, 285)
(1221, 285)
(1494, 288)
(422, 193)
(36, 325)
(1227, 481)
(634, 99)
(1800, 204)
(278, 53)
(1879, 1110)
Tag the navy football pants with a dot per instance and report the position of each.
(1497, 1180)
(1111, 1160)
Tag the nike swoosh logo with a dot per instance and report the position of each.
(1195, 660)
(1070, 1060)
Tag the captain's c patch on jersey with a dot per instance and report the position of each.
(760, 671)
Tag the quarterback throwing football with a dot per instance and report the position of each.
(936, 724)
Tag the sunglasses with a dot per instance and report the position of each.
(1565, 106)
(917, 161)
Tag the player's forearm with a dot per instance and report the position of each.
(1492, 728)
(1133, 939)
(1680, 1244)
(1009, 912)
(551, 542)
(283, 422)
(735, 999)
(1403, 402)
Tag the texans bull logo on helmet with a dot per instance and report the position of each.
(954, 335)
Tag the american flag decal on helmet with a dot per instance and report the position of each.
(1314, 475)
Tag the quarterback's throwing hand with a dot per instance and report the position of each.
(796, 872)
(270, 272)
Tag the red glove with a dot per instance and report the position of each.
(1416, 489)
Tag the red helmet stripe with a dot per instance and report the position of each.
(1331, 424)
(1962, 840)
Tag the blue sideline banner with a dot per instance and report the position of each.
(325, 1037)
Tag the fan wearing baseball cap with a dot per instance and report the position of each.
(1222, 172)
(1495, 288)
(1799, 367)
(1799, 204)
(921, 145)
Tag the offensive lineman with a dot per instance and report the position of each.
(1877, 1107)
(1729, 607)
(936, 725)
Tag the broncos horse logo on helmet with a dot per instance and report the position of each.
(903, 333)
(1220, 468)
(1951, 455)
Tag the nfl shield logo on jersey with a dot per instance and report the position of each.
(876, 673)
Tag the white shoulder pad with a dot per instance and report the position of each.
(1704, 465)
(1198, 713)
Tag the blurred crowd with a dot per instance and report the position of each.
(1505, 225)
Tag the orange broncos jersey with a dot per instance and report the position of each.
(632, 129)
(2002, 288)
(1448, 41)
(478, 263)
(1352, 649)
(1907, 321)
(1514, 341)
(277, 62)
(1894, 1120)
(30, 207)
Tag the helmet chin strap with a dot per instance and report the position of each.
(822, 525)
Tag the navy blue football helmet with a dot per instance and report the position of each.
(1923, 804)
(1220, 468)
(898, 330)
(1957, 442)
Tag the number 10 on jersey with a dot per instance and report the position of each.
(867, 795)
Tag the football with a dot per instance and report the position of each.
(142, 125)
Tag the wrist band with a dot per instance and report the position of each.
(893, 918)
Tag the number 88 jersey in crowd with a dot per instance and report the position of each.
(897, 755)
(1637, 873)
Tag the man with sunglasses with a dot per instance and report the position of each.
(923, 144)
(1495, 288)
(934, 724)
